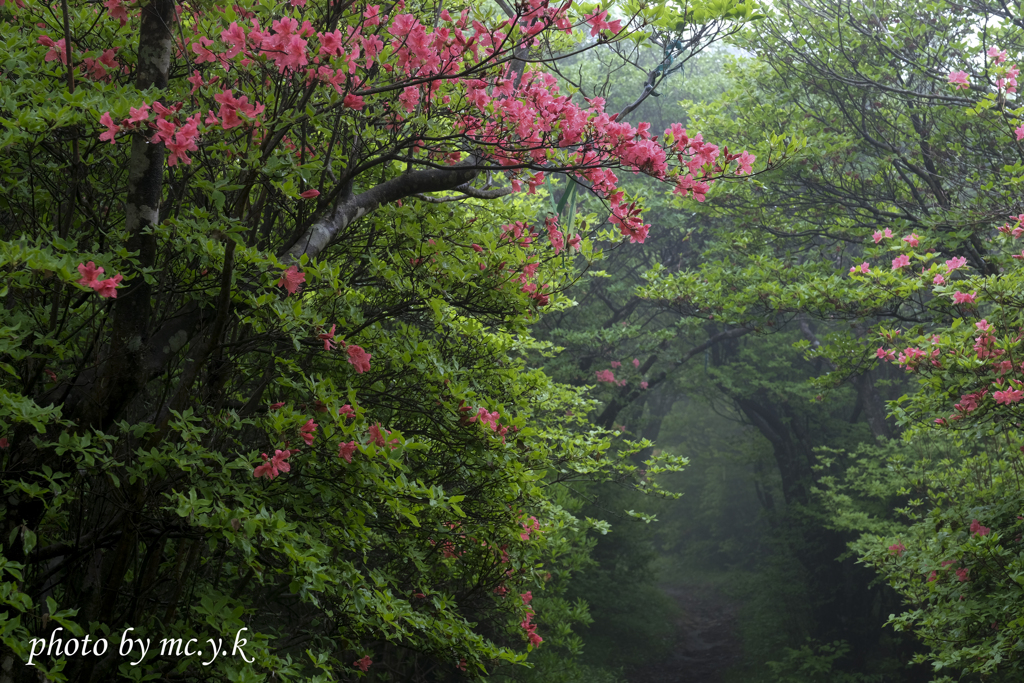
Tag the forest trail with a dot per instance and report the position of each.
(707, 643)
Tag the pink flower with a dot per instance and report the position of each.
(885, 354)
(105, 288)
(616, 364)
(486, 418)
(309, 194)
(597, 23)
(897, 549)
(959, 79)
(605, 376)
(900, 261)
(4, 443)
(1007, 397)
(376, 434)
(409, 98)
(643, 385)
(955, 263)
(108, 288)
(911, 239)
(112, 128)
(1019, 130)
(877, 236)
(138, 115)
(57, 49)
(961, 298)
(938, 280)
(117, 10)
(977, 528)
(292, 279)
(982, 325)
(359, 359)
(636, 362)
(363, 664)
(307, 431)
(864, 268)
(89, 271)
(275, 466)
(556, 237)
(347, 411)
(347, 450)
(961, 574)
(328, 338)
(353, 102)
(746, 162)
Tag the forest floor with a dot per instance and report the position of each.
(707, 641)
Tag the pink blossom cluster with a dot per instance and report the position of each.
(379, 436)
(529, 526)
(274, 466)
(912, 357)
(105, 288)
(609, 377)
(527, 623)
(459, 63)
(308, 432)
(346, 450)
(485, 418)
(978, 529)
(1010, 395)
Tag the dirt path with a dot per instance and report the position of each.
(707, 642)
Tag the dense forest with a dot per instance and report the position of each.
(511, 340)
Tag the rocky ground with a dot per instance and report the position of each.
(707, 642)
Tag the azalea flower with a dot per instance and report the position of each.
(347, 450)
(959, 79)
(359, 358)
(900, 261)
(328, 338)
(955, 263)
(961, 298)
(105, 288)
(307, 432)
(1005, 397)
(977, 528)
(377, 434)
(274, 466)
(291, 280)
